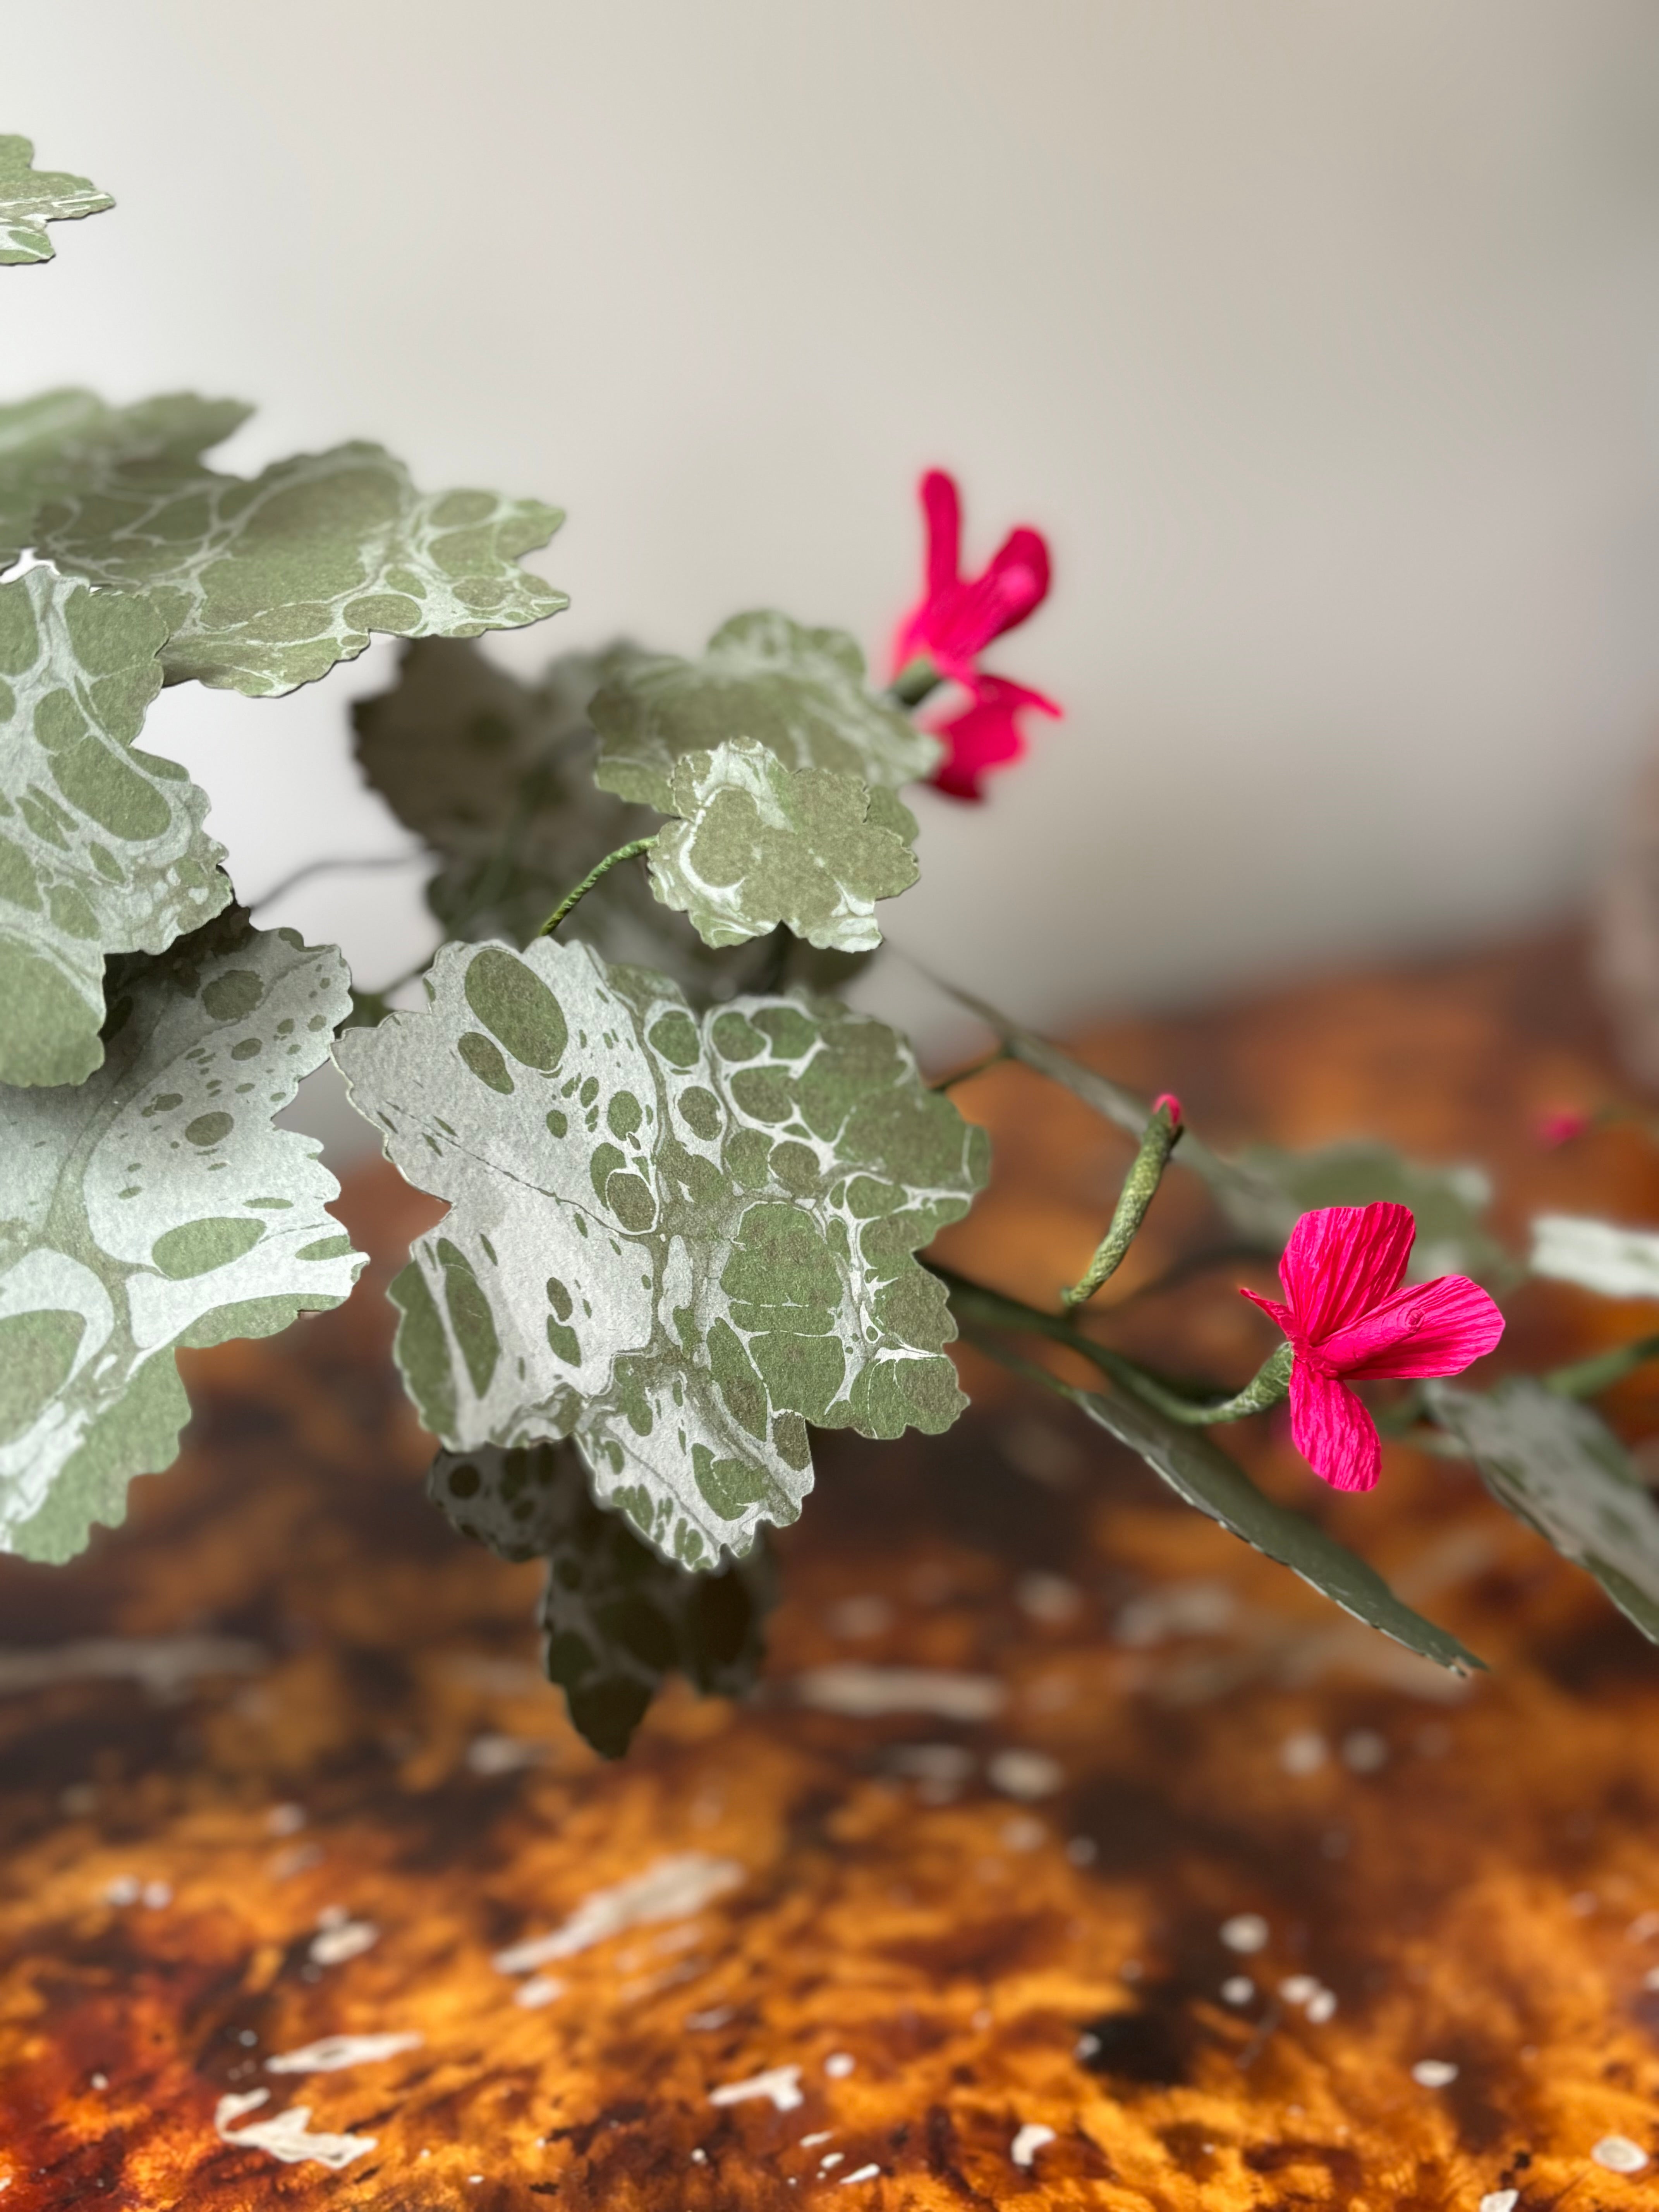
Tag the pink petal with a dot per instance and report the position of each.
(1342, 1259)
(1282, 1314)
(985, 735)
(1333, 1431)
(942, 505)
(1427, 1328)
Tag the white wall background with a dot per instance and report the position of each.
(1322, 335)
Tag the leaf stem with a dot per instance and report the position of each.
(915, 681)
(1585, 1377)
(975, 1067)
(328, 867)
(1158, 1140)
(1270, 1382)
(622, 853)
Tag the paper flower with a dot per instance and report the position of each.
(985, 734)
(958, 616)
(1349, 1321)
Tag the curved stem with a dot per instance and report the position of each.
(1585, 1378)
(975, 1067)
(914, 682)
(1270, 1382)
(1159, 1139)
(327, 867)
(611, 861)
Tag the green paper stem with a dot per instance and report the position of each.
(1158, 1140)
(1267, 1386)
(1584, 1378)
(977, 1067)
(630, 852)
(915, 681)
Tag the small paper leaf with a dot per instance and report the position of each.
(677, 1240)
(60, 440)
(1599, 1255)
(1557, 1466)
(799, 692)
(265, 584)
(30, 198)
(101, 846)
(619, 1620)
(1202, 1474)
(153, 1206)
(759, 844)
(1264, 1190)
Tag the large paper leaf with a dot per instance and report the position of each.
(1263, 1190)
(677, 1240)
(30, 198)
(153, 1206)
(1199, 1471)
(60, 440)
(266, 583)
(1558, 1466)
(619, 1618)
(101, 846)
(759, 844)
(1599, 1255)
(799, 692)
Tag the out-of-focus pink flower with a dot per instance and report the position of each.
(985, 733)
(1561, 1126)
(1349, 1321)
(958, 616)
(1168, 1098)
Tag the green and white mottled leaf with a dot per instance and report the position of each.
(58, 441)
(153, 1206)
(1598, 1255)
(101, 846)
(1199, 1472)
(677, 1240)
(619, 1620)
(1557, 1465)
(758, 844)
(265, 584)
(1264, 1190)
(30, 198)
(799, 692)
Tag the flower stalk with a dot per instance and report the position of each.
(1161, 1135)
(612, 860)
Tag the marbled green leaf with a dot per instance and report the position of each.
(60, 440)
(619, 1618)
(758, 843)
(799, 692)
(1557, 1465)
(677, 1239)
(30, 198)
(1264, 1190)
(1199, 1471)
(101, 846)
(153, 1206)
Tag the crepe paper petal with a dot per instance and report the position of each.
(1333, 1431)
(1341, 1260)
(1437, 1329)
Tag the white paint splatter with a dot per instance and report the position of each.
(808, 2143)
(166, 1665)
(1643, 1928)
(492, 1754)
(1024, 1774)
(1047, 1598)
(540, 1989)
(330, 2052)
(1321, 2007)
(1364, 1752)
(839, 2064)
(855, 1618)
(716, 2016)
(340, 1938)
(1500, 2200)
(831, 2158)
(870, 1692)
(673, 1889)
(1619, 2155)
(1305, 1753)
(1237, 1989)
(1296, 1988)
(285, 1820)
(780, 2084)
(864, 2173)
(1178, 1609)
(1245, 1932)
(287, 2135)
(1029, 2141)
(1434, 2073)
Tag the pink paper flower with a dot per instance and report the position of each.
(958, 616)
(1561, 1126)
(984, 734)
(1349, 1321)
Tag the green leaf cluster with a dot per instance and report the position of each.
(30, 198)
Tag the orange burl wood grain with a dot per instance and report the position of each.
(976, 1957)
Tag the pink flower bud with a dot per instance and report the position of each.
(1166, 1102)
(1561, 1125)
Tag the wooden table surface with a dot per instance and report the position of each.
(278, 1766)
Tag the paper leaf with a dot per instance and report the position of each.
(30, 198)
(1557, 1466)
(265, 584)
(61, 440)
(799, 692)
(1599, 1255)
(1199, 1472)
(155, 1205)
(759, 844)
(677, 1240)
(619, 1620)
(1263, 1190)
(101, 846)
